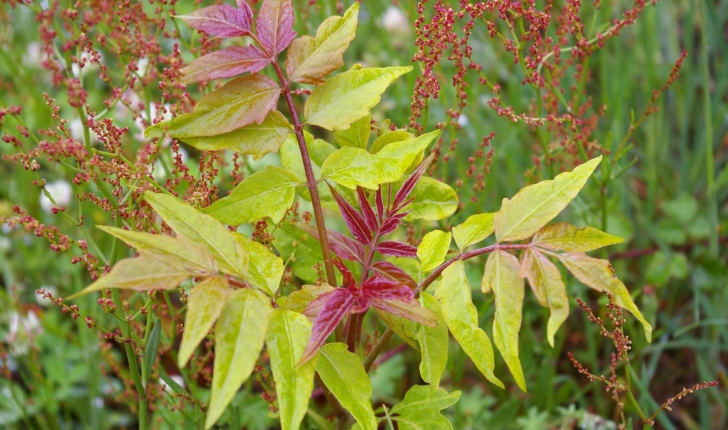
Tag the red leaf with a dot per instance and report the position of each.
(385, 269)
(410, 183)
(392, 223)
(384, 288)
(343, 246)
(220, 20)
(410, 310)
(348, 277)
(397, 249)
(275, 25)
(337, 305)
(380, 204)
(225, 63)
(366, 209)
(354, 220)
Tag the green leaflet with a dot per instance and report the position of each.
(402, 327)
(566, 237)
(241, 331)
(348, 96)
(388, 137)
(599, 274)
(301, 251)
(265, 193)
(254, 139)
(240, 102)
(356, 136)
(352, 167)
(309, 60)
(433, 249)
(288, 335)
(549, 288)
(297, 301)
(197, 227)
(433, 343)
(433, 201)
(420, 409)
(501, 277)
(174, 251)
(204, 305)
(141, 273)
(461, 318)
(344, 375)
(265, 269)
(535, 205)
(473, 230)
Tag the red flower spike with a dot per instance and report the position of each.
(220, 20)
(366, 209)
(410, 183)
(343, 246)
(385, 269)
(397, 249)
(338, 304)
(380, 204)
(354, 220)
(348, 277)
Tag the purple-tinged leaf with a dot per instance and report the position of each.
(397, 249)
(220, 20)
(225, 63)
(410, 310)
(338, 304)
(348, 277)
(410, 183)
(385, 288)
(314, 307)
(380, 204)
(366, 209)
(343, 246)
(275, 25)
(392, 223)
(354, 220)
(385, 269)
(243, 6)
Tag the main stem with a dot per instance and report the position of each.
(310, 178)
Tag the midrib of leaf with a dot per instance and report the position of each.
(292, 362)
(351, 94)
(537, 207)
(171, 251)
(343, 381)
(219, 21)
(496, 291)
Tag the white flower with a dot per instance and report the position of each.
(21, 332)
(33, 55)
(61, 192)
(463, 121)
(394, 20)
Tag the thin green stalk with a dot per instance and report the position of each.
(708, 117)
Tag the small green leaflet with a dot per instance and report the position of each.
(240, 102)
(348, 96)
(566, 237)
(344, 375)
(535, 205)
(433, 249)
(265, 193)
(356, 136)
(309, 60)
(473, 230)
(288, 334)
(254, 139)
(549, 288)
(501, 277)
(461, 317)
(420, 409)
(433, 343)
(388, 137)
(433, 201)
(204, 305)
(265, 269)
(241, 331)
(352, 167)
(298, 301)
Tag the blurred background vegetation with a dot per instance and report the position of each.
(668, 197)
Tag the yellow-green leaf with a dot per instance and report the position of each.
(301, 251)
(297, 301)
(433, 200)
(254, 139)
(143, 273)
(352, 167)
(388, 137)
(240, 102)
(473, 230)
(433, 343)
(204, 305)
(433, 249)
(265, 269)
(241, 332)
(197, 227)
(348, 96)
(344, 375)
(310, 60)
(269, 192)
(356, 136)
(420, 409)
(173, 251)
(535, 205)
(501, 277)
(461, 317)
(549, 288)
(288, 336)
(599, 274)
(566, 237)
(402, 327)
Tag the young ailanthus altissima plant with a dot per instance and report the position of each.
(376, 188)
